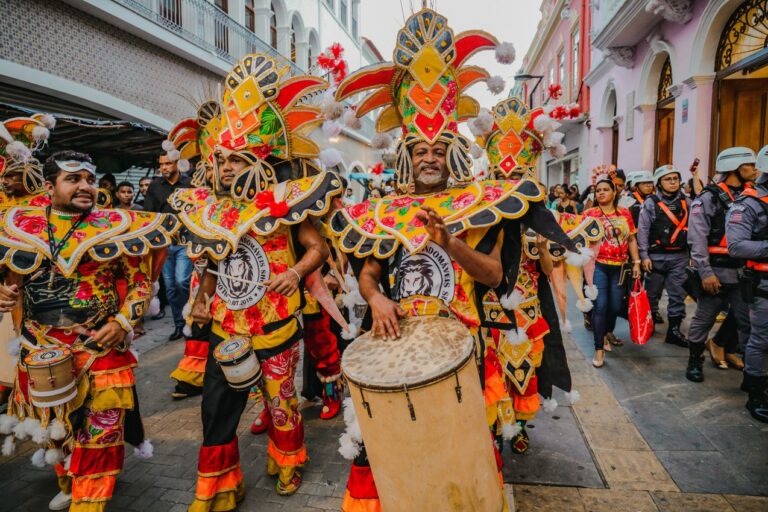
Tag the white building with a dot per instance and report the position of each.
(148, 61)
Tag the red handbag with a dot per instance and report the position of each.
(640, 317)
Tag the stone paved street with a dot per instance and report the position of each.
(641, 438)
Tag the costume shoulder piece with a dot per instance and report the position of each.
(38, 199)
(583, 230)
(103, 235)
(378, 228)
(187, 199)
(216, 228)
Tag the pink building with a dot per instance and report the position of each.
(675, 80)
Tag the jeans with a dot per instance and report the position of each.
(177, 271)
(610, 299)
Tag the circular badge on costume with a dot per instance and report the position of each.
(241, 272)
(429, 272)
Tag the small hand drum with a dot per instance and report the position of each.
(239, 363)
(51, 376)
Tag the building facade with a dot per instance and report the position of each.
(560, 55)
(676, 80)
(148, 62)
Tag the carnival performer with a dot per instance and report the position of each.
(260, 245)
(21, 174)
(422, 247)
(61, 264)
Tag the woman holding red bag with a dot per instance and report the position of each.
(618, 244)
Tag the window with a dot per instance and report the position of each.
(273, 28)
(561, 68)
(576, 79)
(250, 15)
(293, 45)
(355, 13)
(221, 33)
(329, 3)
(343, 7)
(551, 74)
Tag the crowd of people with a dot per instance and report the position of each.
(259, 251)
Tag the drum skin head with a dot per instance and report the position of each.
(429, 349)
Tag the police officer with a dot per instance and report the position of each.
(642, 187)
(746, 229)
(663, 243)
(709, 253)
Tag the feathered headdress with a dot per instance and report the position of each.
(20, 138)
(196, 137)
(604, 172)
(422, 91)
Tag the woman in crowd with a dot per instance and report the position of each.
(588, 197)
(565, 204)
(618, 244)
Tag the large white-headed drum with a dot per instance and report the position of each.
(421, 412)
(238, 362)
(51, 374)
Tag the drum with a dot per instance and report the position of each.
(7, 362)
(422, 415)
(238, 362)
(51, 374)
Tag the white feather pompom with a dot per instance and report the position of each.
(512, 300)
(168, 145)
(549, 404)
(330, 157)
(155, 288)
(145, 450)
(40, 133)
(154, 307)
(510, 430)
(505, 53)
(573, 396)
(38, 458)
(482, 124)
(58, 430)
(558, 151)
(584, 305)
(591, 292)
(331, 128)
(183, 165)
(516, 336)
(48, 120)
(351, 440)
(173, 155)
(186, 310)
(381, 141)
(496, 84)
(9, 446)
(7, 423)
(187, 331)
(476, 151)
(20, 430)
(553, 139)
(545, 124)
(14, 347)
(40, 435)
(329, 107)
(579, 259)
(351, 333)
(566, 326)
(53, 456)
(18, 151)
(351, 120)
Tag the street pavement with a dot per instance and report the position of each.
(641, 438)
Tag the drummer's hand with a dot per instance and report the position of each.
(386, 316)
(434, 225)
(201, 312)
(285, 284)
(9, 296)
(109, 335)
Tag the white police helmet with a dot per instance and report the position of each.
(761, 162)
(732, 158)
(663, 171)
(643, 177)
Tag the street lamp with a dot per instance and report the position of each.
(525, 78)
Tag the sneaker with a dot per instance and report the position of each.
(60, 502)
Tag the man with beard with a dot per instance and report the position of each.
(61, 271)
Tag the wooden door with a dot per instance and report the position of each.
(743, 109)
(665, 135)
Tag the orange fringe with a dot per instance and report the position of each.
(294, 459)
(351, 504)
(92, 489)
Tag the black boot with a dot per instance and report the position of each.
(657, 318)
(674, 336)
(695, 370)
(757, 403)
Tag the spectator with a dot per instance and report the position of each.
(143, 188)
(557, 191)
(588, 198)
(564, 202)
(108, 182)
(125, 196)
(177, 270)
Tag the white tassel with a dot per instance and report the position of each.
(183, 165)
(38, 458)
(18, 151)
(351, 333)
(330, 157)
(573, 396)
(58, 430)
(496, 84)
(512, 300)
(505, 53)
(48, 120)
(579, 259)
(40, 435)
(352, 438)
(566, 326)
(145, 450)
(381, 141)
(40, 133)
(516, 337)
(173, 155)
(585, 305)
(510, 430)
(155, 288)
(331, 128)
(168, 145)
(187, 331)
(53, 456)
(351, 120)
(14, 347)
(67, 460)
(9, 446)
(7, 423)
(591, 292)
(20, 430)
(549, 404)
(154, 307)
(476, 151)
(482, 124)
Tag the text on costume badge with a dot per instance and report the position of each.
(242, 273)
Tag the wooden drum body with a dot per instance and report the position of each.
(422, 415)
(239, 363)
(7, 362)
(51, 374)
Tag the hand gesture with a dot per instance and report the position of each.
(434, 225)
(285, 284)
(386, 316)
(9, 296)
